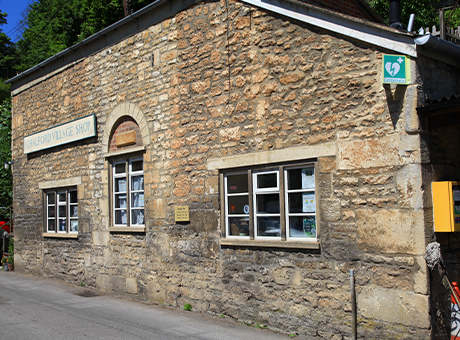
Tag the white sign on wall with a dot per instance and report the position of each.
(72, 131)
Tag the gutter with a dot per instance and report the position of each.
(439, 49)
(95, 36)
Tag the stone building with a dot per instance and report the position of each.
(242, 157)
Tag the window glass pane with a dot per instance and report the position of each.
(265, 181)
(238, 204)
(73, 225)
(302, 202)
(62, 225)
(121, 217)
(51, 225)
(120, 168)
(61, 197)
(138, 216)
(52, 211)
(268, 226)
(301, 179)
(51, 198)
(302, 226)
(62, 212)
(120, 184)
(73, 196)
(73, 211)
(137, 165)
(237, 183)
(239, 226)
(120, 201)
(137, 200)
(268, 204)
(137, 183)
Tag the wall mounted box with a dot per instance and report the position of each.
(446, 206)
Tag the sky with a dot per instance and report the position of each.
(13, 8)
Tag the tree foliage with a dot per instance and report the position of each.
(54, 25)
(426, 15)
(7, 59)
(6, 179)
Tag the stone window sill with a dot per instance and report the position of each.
(61, 235)
(127, 229)
(270, 244)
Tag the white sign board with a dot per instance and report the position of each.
(75, 130)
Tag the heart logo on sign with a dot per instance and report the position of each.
(392, 69)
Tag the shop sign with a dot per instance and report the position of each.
(72, 131)
(395, 69)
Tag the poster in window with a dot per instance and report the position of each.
(121, 185)
(309, 227)
(308, 201)
(308, 179)
(73, 225)
(141, 200)
(122, 201)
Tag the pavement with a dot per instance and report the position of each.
(39, 308)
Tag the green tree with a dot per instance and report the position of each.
(426, 15)
(7, 59)
(6, 178)
(54, 25)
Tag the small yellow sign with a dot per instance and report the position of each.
(182, 214)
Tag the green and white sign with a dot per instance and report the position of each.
(395, 69)
(69, 132)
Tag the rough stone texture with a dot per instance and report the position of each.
(394, 306)
(227, 80)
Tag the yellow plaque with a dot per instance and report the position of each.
(182, 214)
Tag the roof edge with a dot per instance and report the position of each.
(371, 33)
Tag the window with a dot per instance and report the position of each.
(61, 211)
(275, 204)
(128, 193)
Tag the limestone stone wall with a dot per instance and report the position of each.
(223, 79)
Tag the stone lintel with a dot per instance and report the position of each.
(66, 182)
(273, 156)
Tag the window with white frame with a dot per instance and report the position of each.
(128, 192)
(61, 211)
(271, 204)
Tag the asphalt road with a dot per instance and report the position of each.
(35, 308)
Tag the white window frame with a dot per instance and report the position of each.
(257, 192)
(68, 209)
(129, 192)
(228, 214)
(284, 214)
(289, 214)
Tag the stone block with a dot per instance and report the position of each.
(131, 285)
(330, 210)
(155, 292)
(391, 231)
(103, 282)
(156, 208)
(203, 220)
(407, 308)
(369, 153)
(101, 238)
(421, 279)
(409, 182)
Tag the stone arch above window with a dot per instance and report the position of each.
(126, 117)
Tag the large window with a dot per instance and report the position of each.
(271, 204)
(61, 211)
(128, 193)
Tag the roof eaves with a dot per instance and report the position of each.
(359, 29)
